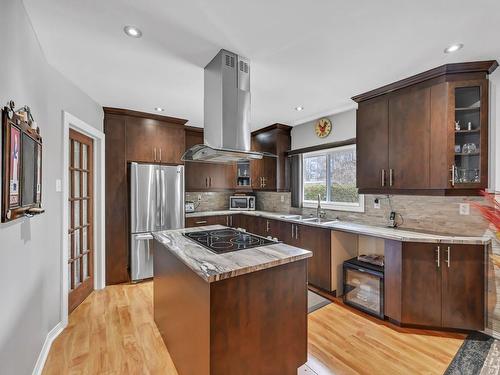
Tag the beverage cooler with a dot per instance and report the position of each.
(364, 286)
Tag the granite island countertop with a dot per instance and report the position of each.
(403, 235)
(213, 267)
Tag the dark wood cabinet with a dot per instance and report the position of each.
(116, 200)
(154, 141)
(411, 134)
(463, 286)
(270, 173)
(141, 140)
(170, 142)
(132, 136)
(421, 295)
(227, 220)
(206, 176)
(318, 241)
(435, 285)
(372, 143)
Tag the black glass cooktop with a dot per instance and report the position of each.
(226, 240)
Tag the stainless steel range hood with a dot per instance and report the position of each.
(226, 112)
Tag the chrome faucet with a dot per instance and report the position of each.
(319, 212)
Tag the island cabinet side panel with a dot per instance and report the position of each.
(182, 312)
(259, 322)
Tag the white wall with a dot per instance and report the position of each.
(30, 249)
(343, 127)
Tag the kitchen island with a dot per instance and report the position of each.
(238, 312)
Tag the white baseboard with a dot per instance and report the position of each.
(42, 357)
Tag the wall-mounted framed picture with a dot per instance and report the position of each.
(21, 165)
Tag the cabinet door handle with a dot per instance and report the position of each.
(296, 232)
(267, 226)
(448, 251)
(438, 259)
(390, 177)
(154, 154)
(210, 182)
(160, 153)
(231, 220)
(383, 177)
(206, 181)
(227, 221)
(292, 230)
(452, 175)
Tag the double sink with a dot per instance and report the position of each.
(307, 219)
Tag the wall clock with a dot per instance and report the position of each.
(323, 127)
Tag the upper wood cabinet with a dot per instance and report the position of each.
(202, 176)
(372, 143)
(154, 141)
(270, 173)
(132, 136)
(427, 134)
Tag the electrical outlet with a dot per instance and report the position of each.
(464, 208)
(376, 203)
(282, 198)
(58, 186)
(199, 197)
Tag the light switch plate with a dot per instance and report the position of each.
(464, 208)
(58, 186)
(282, 198)
(199, 197)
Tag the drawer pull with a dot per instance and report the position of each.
(201, 222)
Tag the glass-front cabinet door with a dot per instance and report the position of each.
(469, 101)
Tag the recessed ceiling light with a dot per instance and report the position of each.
(453, 48)
(132, 31)
(159, 109)
(299, 108)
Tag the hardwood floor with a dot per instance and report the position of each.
(113, 332)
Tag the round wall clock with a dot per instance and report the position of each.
(323, 127)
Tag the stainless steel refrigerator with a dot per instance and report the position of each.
(156, 204)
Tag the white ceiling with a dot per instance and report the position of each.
(311, 53)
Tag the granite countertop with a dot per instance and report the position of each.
(403, 235)
(213, 267)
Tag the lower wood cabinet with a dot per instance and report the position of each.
(435, 285)
(227, 220)
(318, 241)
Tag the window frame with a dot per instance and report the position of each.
(330, 205)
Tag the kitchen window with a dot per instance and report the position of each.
(331, 174)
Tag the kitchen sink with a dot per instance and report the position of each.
(291, 217)
(318, 220)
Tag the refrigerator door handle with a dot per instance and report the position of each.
(158, 201)
(162, 198)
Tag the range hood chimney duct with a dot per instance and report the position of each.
(226, 112)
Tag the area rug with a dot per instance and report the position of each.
(479, 354)
(315, 301)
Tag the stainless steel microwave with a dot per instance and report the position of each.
(242, 203)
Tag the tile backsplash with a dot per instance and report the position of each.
(426, 213)
(210, 201)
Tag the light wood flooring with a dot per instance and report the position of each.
(113, 332)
